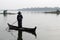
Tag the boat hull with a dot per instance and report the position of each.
(29, 30)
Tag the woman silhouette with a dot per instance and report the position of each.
(19, 19)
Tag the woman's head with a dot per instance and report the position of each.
(19, 13)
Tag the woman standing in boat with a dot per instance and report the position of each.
(19, 19)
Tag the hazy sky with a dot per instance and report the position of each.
(16, 4)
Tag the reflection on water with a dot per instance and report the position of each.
(48, 26)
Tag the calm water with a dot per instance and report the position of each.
(48, 26)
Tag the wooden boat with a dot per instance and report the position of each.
(29, 30)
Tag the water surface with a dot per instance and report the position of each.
(48, 26)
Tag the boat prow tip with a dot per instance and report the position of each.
(8, 23)
(35, 27)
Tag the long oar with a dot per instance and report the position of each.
(14, 22)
